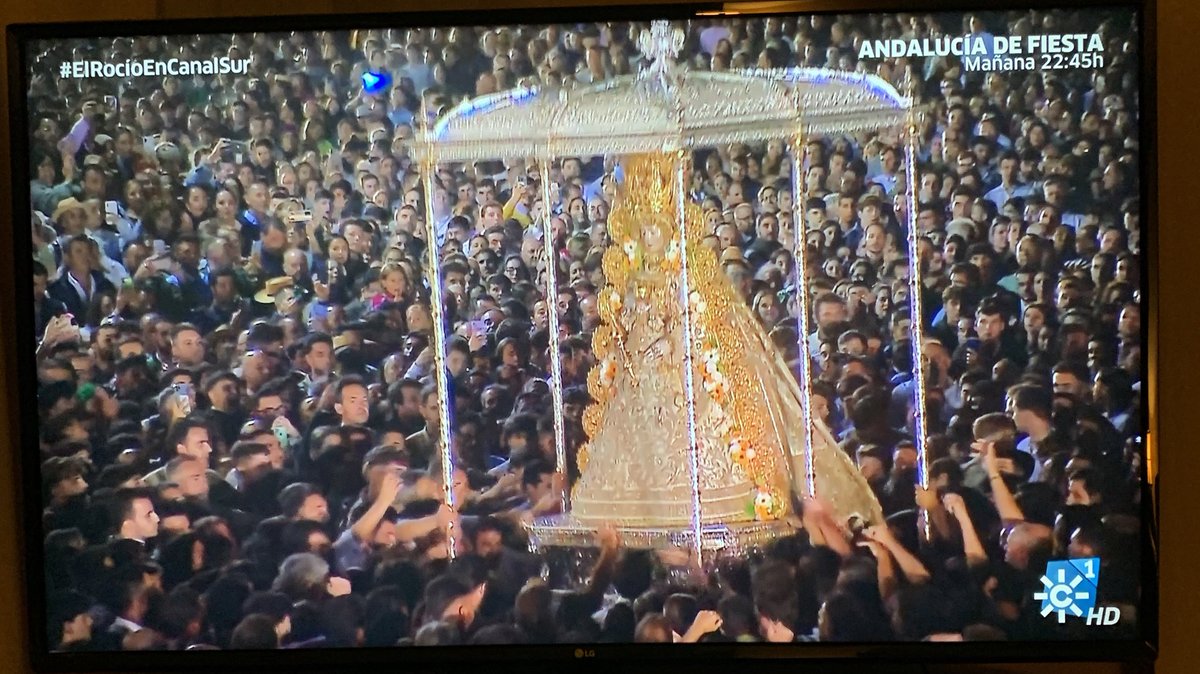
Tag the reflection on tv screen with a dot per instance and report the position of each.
(788, 328)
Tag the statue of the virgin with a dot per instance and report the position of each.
(748, 430)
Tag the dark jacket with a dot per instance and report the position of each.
(43, 310)
(62, 291)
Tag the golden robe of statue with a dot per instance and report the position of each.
(749, 429)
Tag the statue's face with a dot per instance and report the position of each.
(652, 238)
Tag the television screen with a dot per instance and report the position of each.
(561, 330)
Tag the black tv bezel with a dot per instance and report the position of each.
(20, 314)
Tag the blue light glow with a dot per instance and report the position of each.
(373, 82)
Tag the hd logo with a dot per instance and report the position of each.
(1070, 589)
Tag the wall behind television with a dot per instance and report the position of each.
(1178, 302)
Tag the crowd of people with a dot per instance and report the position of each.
(237, 403)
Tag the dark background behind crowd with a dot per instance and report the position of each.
(237, 405)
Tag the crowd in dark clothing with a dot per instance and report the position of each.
(237, 402)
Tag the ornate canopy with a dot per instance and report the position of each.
(633, 114)
(664, 108)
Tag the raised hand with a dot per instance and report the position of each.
(55, 330)
(285, 424)
(337, 586)
(994, 464)
(253, 264)
(214, 156)
(608, 538)
(955, 505)
(1006, 466)
(477, 342)
(321, 290)
(877, 549)
(508, 483)
(706, 622)
(68, 165)
(425, 358)
(927, 498)
(389, 488)
(880, 534)
(818, 509)
(446, 516)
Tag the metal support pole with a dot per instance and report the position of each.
(915, 289)
(803, 302)
(437, 309)
(689, 390)
(556, 382)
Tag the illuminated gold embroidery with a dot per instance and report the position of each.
(749, 425)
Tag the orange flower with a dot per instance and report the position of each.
(764, 506)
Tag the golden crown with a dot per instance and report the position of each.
(647, 196)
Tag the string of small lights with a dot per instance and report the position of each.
(556, 381)
(436, 308)
(688, 383)
(803, 309)
(916, 286)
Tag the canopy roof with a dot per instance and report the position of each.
(666, 110)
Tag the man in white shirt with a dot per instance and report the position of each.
(1010, 186)
(1055, 191)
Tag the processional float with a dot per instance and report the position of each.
(669, 110)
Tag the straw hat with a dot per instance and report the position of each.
(273, 287)
(340, 342)
(732, 254)
(221, 333)
(68, 204)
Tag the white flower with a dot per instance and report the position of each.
(763, 500)
(630, 249)
(608, 371)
